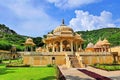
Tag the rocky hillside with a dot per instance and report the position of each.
(9, 38)
(5, 30)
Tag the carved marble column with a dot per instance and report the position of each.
(47, 47)
(80, 46)
(61, 48)
(53, 48)
(76, 47)
(71, 46)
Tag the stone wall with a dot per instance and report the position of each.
(96, 57)
(102, 59)
(115, 49)
(38, 60)
(7, 55)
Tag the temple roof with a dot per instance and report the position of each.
(63, 32)
(101, 43)
(30, 42)
(105, 42)
(90, 45)
(63, 28)
(50, 35)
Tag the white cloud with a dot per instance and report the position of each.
(86, 21)
(71, 3)
(32, 20)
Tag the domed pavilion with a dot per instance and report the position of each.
(29, 43)
(90, 47)
(102, 46)
(62, 39)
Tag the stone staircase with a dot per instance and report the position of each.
(74, 61)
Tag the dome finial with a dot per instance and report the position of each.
(63, 21)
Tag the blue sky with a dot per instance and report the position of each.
(38, 17)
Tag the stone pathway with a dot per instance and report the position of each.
(114, 75)
(74, 74)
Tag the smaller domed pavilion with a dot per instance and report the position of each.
(29, 43)
(102, 46)
(90, 47)
(106, 45)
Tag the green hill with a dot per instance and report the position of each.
(112, 34)
(9, 38)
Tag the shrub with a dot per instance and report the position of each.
(5, 45)
(115, 62)
(96, 64)
(20, 48)
(49, 65)
(0, 61)
(17, 65)
(108, 67)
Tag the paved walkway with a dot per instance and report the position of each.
(114, 75)
(74, 74)
(94, 75)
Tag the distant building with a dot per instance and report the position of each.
(29, 44)
(100, 46)
(90, 47)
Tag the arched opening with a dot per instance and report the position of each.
(66, 45)
(57, 46)
(50, 45)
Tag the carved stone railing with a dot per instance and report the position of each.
(68, 62)
(68, 53)
(48, 53)
(79, 59)
(93, 53)
(43, 53)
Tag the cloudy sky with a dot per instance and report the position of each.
(38, 17)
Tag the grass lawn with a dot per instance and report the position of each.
(27, 73)
(108, 67)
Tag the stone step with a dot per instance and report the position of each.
(74, 61)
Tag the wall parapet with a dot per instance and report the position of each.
(43, 53)
(93, 53)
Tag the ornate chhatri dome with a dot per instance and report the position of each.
(105, 42)
(63, 28)
(77, 35)
(101, 43)
(50, 35)
(98, 44)
(90, 45)
(29, 41)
